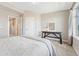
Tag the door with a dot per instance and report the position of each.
(29, 26)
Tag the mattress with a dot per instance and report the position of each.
(23, 46)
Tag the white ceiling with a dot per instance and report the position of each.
(41, 7)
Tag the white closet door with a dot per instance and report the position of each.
(29, 26)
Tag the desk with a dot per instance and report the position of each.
(56, 35)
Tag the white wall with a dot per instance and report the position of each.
(60, 19)
(4, 13)
(31, 24)
(76, 44)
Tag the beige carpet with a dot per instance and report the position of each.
(62, 49)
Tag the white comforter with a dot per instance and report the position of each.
(18, 46)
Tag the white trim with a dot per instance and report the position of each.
(76, 5)
(8, 26)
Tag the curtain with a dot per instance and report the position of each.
(70, 29)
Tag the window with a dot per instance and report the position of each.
(77, 20)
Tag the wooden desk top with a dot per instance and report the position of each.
(51, 32)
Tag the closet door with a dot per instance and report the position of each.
(29, 26)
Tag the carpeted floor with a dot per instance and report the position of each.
(62, 49)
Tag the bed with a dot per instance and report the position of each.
(25, 46)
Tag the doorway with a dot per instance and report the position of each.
(13, 30)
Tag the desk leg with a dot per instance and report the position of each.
(60, 39)
(42, 35)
